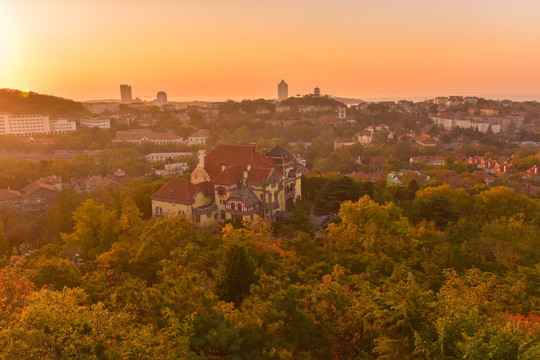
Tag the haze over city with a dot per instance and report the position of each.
(241, 49)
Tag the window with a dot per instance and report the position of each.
(222, 213)
(198, 218)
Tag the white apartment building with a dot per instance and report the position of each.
(164, 156)
(27, 124)
(62, 126)
(481, 124)
(140, 136)
(100, 123)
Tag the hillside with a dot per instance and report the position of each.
(19, 102)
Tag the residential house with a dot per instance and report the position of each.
(199, 137)
(11, 199)
(506, 168)
(365, 137)
(39, 196)
(182, 197)
(245, 182)
(426, 140)
(534, 171)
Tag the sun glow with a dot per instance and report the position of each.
(7, 42)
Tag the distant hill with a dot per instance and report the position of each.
(20, 102)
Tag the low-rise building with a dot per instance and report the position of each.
(98, 107)
(62, 126)
(182, 197)
(199, 137)
(140, 136)
(26, 124)
(39, 196)
(428, 159)
(100, 123)
(166, 156)
(11, 199)
(244, 183)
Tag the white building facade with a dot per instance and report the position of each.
(100, 123)
(62, 126)
(26, 124)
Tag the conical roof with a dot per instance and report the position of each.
(277, 151)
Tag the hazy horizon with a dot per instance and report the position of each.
(416, 97)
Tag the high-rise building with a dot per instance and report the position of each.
(283, 91)
(125, 93)
(161, 98)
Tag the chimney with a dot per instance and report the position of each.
(264, 151)
(249, 167)
(223, 167)
(245, 174)
(201, 156)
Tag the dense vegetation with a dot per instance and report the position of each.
(456, 276)
(21, 102)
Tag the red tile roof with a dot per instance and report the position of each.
(178, 190)
(259, 175)
(182, 191)
(201, 133)
(229, 176)
(242, 156)
(9, 195)
(35, 186)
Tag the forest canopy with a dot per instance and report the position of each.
(455, 278)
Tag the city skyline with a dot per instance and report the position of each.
(240, 49)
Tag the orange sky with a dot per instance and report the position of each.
(242, 49)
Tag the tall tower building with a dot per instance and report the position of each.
(317, 92)
(125, 93)
(282, 91)
(161, 98)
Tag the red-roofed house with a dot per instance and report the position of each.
(459, 157)
(365, 137)
(39, 196)
(182, 197)
(476, 160)
(199, 137)
(489, 164)
(54, 180)
(506, 168)
(239, 174)
(534, 171)
(426, 140)
(11, 199)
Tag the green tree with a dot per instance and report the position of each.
(337, 190)
(95, 229)
(235, 274)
